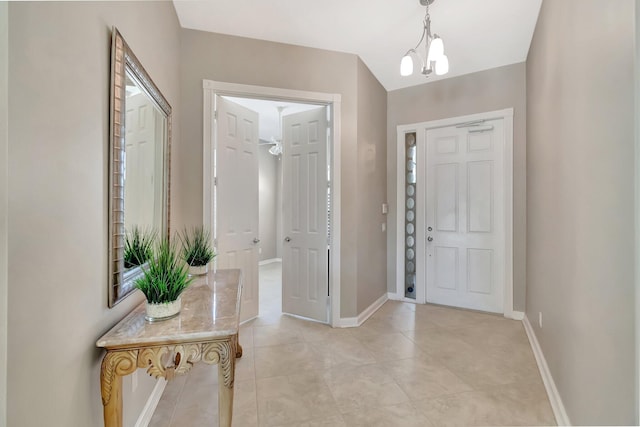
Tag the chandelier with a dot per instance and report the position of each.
(277, 149)
(433, 49)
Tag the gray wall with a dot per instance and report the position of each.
(4, 167)
(580, 207)
(279, 202)
(372, 177)
(268, 204)
(490, 90)
(234, 59)
(58, 160)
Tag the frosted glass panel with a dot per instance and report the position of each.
(411, 172)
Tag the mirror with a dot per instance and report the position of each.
(140, 144)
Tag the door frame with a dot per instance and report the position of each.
(507, 116)
(211, 89)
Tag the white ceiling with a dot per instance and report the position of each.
(268, 113)
(477, 35)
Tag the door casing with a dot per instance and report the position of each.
(507, 116)
(211, 89)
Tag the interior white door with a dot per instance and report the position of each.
(464, 216)
(236, 201)
(141, 164)
(305, 258)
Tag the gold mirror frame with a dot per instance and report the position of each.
(123, 63)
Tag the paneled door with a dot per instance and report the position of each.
(305, 252)
(143, 165)
(236, 201)
(464, 215)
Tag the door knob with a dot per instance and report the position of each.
(429, 239)
(287, 239)
(256, 241)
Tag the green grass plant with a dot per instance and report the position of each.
(196, 246)
(166, 275)
(138, 246)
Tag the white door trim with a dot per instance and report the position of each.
(507, 116)
(210, 90)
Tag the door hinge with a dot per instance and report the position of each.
(215, 114)
(215, 181)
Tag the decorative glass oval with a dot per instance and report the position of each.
(410, 203)
(410, 254)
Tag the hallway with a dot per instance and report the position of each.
(408, 365)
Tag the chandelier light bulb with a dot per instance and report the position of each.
(442, 65)
(406, 66)
(436, 49)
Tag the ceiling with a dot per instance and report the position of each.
(477, 35)
(268, 113)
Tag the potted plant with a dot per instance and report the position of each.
(196, 250)
(138, 246)
(163, 281)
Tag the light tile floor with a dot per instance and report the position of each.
(408, 365)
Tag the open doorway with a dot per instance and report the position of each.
(310, 283)
(271, 114)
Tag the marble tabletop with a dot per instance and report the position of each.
(210, 310)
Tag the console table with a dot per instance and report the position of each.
(205, 330)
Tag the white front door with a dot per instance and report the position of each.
(236, 201)
(464, 215)
(305, 258)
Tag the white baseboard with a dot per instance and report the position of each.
(368, 312)
(393, 296)
(347, 322)
(515, 315)
(562, 419)
(149, 408)
(353, 322)
(270, 261)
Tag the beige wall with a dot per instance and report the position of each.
(490, 90)
(256, 62)
(580, 207)
(637, 203)
(58, 160)
(4, 229)
(372, 176)
(268, 204)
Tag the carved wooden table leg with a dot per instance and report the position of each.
(238, 346)
(226, 374)
(223, 353)
(114, 366)
(225, 400)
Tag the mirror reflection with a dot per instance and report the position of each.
(145, 128)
